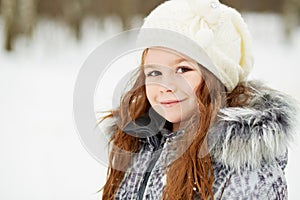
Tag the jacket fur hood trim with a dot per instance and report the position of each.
(257, 133)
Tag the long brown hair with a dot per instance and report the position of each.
(190, 174)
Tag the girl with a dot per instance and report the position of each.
(188, 131)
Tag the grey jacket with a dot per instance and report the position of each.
(248, 146)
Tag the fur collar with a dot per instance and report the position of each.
(257, 133)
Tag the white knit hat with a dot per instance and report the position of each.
(217, 29)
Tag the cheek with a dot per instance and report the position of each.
(151, 90)
(195, 86)
(193, 83)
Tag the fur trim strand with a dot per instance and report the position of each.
(260, 132)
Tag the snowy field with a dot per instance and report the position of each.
(40, 151)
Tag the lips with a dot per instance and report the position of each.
(170, 103)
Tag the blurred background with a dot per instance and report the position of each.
(44, 43)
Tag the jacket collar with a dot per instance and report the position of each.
(152, 130)
(259, 132)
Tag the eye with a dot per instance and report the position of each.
(153, 73)
(183, 69)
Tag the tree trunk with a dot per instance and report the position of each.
(9, 13)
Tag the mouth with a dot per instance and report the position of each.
(170, 103)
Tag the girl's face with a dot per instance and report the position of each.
(171, 82)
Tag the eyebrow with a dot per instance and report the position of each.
(151, 66)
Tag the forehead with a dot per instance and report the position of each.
(164, 56)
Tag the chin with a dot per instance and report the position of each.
(173, 119)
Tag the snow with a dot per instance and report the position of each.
(40, 150)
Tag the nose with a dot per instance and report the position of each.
(168, 84)
(165, 89)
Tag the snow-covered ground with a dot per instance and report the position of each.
(40, 151)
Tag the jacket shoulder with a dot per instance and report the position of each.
(257, 133)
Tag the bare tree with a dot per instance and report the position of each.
(291, 14)
(73, 14)
(27, 16)
(9, 14)
(19, 17)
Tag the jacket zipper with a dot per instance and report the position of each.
(149, 169)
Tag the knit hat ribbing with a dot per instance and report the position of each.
(218, 29)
